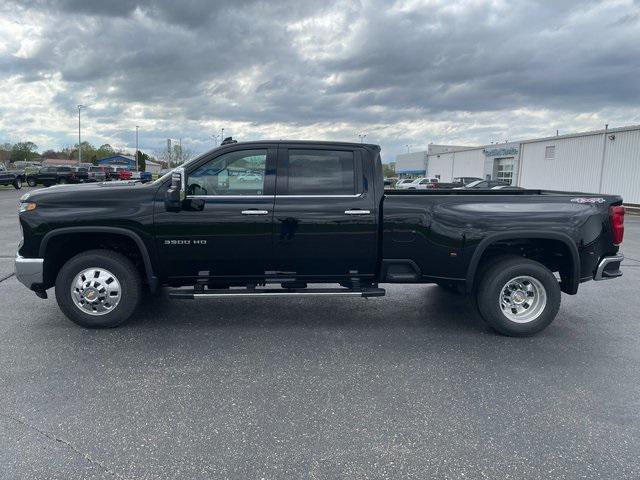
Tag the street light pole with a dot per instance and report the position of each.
(80, 107)
(137, 167)
(362, 137)
(221, 135)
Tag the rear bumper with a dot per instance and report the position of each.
(609, 267)
(29, 271)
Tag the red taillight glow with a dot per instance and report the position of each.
(616, 217)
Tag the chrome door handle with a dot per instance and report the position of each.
(357, 212)
(255, 212)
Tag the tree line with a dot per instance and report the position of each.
(28, 151)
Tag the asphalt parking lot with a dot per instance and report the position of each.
(412, 385)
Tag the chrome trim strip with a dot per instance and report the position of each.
(357, 212)
(320, 196)
(603, 264)
(255, 212)
(29, 271)
(275, 196)
(230, 196)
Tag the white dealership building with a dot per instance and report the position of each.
(602, 161)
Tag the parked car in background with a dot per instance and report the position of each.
(11, 177)
(123, 173)
(143, 177)
(249, 177)
(82, 174)
(404, 181)
(48, 176)
(423, 183)
(484, 185)
(21, 165)
(462, 181)
(389, 182)
(97, 174)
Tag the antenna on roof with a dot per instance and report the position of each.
(228, 141)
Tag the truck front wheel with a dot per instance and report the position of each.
(98, 289)
(518, 296)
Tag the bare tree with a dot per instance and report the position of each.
(176, 157)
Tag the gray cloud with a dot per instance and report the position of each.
(409, 72)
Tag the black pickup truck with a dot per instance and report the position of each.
(48, 176)
(270, 218)
(11, 177)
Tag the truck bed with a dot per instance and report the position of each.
(437, 234)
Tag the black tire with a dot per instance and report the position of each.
(126, 274)
(31, 182)
(496, 277)
(17, 184)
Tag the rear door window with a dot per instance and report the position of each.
(321, 172)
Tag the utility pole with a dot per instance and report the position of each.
(80, 107)
(137, 167)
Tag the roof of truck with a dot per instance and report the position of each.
(307, 142)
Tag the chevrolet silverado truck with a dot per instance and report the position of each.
(272, 218)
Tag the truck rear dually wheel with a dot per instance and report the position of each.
(518, 297)
(98, 289)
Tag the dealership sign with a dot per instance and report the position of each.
(500, 152)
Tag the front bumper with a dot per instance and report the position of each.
(29, 271)
(609, 267)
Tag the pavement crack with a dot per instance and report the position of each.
(6, 277)
(64, 442)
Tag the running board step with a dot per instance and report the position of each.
(277, 292)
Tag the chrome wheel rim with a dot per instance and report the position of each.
(96, 291)
(523, 299)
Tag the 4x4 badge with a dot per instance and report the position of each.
(588, 200)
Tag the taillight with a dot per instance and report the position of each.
(616, 217)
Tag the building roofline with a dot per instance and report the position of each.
(588, 133)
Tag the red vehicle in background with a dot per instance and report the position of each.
(123, 173)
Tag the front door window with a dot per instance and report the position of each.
(234, 173)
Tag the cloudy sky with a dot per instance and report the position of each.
(404, 72)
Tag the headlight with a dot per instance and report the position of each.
(26, 206)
